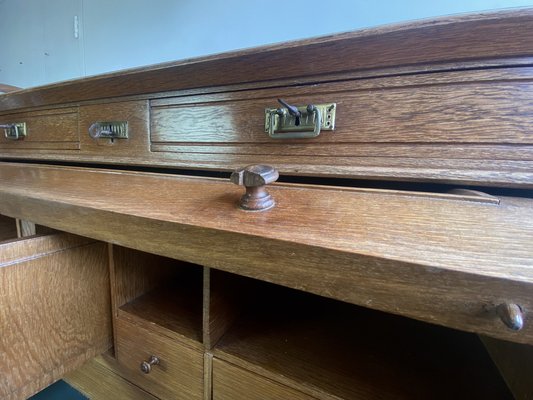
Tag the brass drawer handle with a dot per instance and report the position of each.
(146, 366)
(16, 131)
(292, 122)
(511, 315)
(109, 130)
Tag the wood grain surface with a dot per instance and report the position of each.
(331, 350)
(469, 127)
(225, 295)
(442, 259)
(180, 373)
(458, 38)
(55, 312)
(52, 130)
(99, 381)
(173, 310)
(231, 383)
(466, 108)
(162, 294)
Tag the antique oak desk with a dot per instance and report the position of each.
(394, 258)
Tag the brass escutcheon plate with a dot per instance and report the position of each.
(282, 125)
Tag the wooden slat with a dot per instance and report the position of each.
(23, 249)
(447, 261)
(180, 373)
(492, 172)
(457, 39)
(231, 382)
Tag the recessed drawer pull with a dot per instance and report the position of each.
(146, 366)
(109, 130)
(292, 122)
(511, 315)
(14, 131)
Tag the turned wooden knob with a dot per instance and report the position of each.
(255, 178)
(511, 315)
(146, 366)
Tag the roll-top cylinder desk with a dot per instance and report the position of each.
(346, 217)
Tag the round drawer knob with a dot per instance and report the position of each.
(511, 315)
(255, 178)
(146, 366)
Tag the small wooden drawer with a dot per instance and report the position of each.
(232, 383)
(45, 130)
(179, 374)
(132, 113)
(408, 110)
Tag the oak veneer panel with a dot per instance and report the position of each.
(163, 294)
(462, 126)
(231, 383)
(439, 258)
(225, 295)
(135, 273)
(55, 310)
(472, 112)
(100, 382)
(173, 310)
(416, 127)
(52, 129)
(180, 372)
(458, 39)
(332, 350)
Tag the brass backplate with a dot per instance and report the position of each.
(16, 131)
(109, 130)
(289, 123)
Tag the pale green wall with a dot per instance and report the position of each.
(37, 43)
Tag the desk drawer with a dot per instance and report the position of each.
(45, 130)
(232, 383)
(131, 144)
(443, 109)
(179, 374)
(54, 309)
(412, 126)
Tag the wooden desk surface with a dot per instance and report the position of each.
(440, 258)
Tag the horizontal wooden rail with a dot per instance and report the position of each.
(443, 259)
